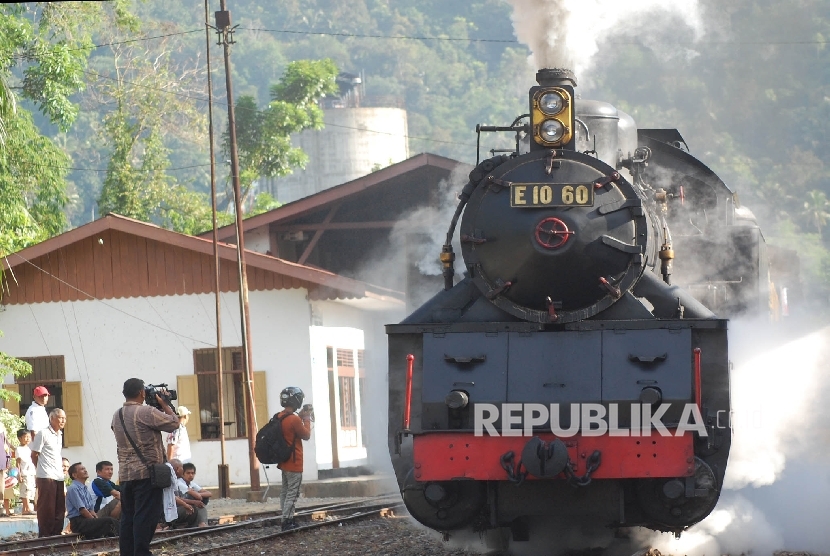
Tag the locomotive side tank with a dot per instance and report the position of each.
(564, 376)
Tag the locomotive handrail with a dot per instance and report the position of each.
(410, 362)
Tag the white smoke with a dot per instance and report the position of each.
(569, 33)
(775, 399)
(735, 527)
(779, 421)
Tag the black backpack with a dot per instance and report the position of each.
(271, 445)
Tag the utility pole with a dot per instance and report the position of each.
(225, 31)
(224, 472)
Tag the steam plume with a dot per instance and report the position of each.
(567, 33)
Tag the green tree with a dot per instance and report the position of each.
(152, 100)
(43, 53)
(44, 49)
(264, 136)
(817, 210)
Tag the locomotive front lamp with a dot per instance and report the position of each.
(551, 103)
(552, 131)
(552, 116)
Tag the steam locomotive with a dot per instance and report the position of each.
(568, 376)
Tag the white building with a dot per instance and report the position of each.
(118, 298)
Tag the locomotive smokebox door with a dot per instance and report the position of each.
(563, 242)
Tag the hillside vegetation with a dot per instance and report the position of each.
(751, 98)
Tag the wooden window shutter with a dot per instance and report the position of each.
(189, 397)
(260, 399)
(73, 433)
(11, 404)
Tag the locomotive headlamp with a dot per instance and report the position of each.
(552, 131)
(551, 103)
(552, 116)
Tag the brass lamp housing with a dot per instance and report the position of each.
(565, 116)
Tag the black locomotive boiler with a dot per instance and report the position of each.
(570, 301)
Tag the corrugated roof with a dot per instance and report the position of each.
(276, 273)
(338, 193)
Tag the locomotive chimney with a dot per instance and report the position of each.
(555, 77)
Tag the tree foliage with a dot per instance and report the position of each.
(751, 98)
(43, 54)
(264, 136)
(150, 100)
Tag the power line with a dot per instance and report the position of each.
(104, 170)
(509, 41)
(127, 41)
(146, 38)
(364, 36)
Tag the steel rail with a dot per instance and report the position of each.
(50, 545)
(304, 527)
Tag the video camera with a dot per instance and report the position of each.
(151, 390)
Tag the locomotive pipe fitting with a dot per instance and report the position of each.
(447, 259)
(665, 298)
(666, 255)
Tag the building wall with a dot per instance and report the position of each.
(335, 338)
(257, 240)
(104, 343)
(374, 417)
(353, 142)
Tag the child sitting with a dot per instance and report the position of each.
(189, 490)
(26, 468)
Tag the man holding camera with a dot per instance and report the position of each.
(294, 427)
(141, 503)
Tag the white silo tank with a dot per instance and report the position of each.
(353, 142)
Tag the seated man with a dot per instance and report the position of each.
(186, 509)
(79, 505)
(108, 501)
(191, 492)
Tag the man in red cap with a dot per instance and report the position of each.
(36, 417)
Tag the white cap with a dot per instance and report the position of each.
(182, 411)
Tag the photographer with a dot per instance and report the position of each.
(295, 428)
(141, 503)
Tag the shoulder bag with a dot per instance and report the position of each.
(159, 472)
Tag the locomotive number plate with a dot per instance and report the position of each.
(533, 195)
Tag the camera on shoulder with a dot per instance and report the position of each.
(151, 390)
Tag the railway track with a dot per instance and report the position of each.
(240, 528)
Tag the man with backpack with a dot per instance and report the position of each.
(295, 428)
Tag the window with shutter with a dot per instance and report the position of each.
(47, 371)
(73, 432)
(346, 377)
(233, 399)
(12, 405)
(188, 386)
